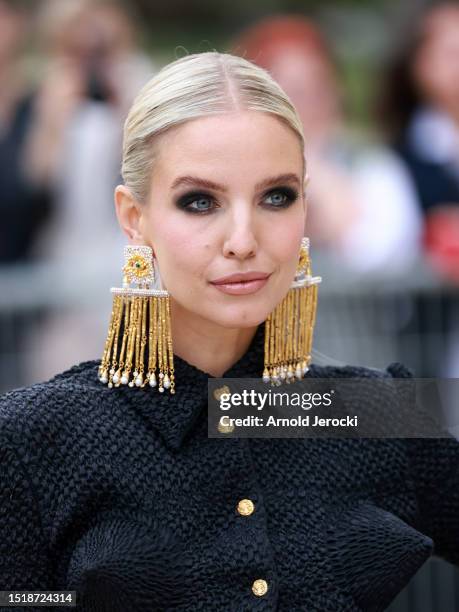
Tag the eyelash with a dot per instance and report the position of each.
(184, 202)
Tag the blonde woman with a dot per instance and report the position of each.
(118, 492)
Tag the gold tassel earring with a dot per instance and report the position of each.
(139, 334)
(289, 327)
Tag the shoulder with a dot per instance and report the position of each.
(372, 388)
(62, 398)
(393, 370)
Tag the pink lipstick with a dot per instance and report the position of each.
(242, 283)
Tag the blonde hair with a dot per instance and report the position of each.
(194, 86)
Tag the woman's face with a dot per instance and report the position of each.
(436, 69)
(226, 197)
(308, 80)
(12, 30)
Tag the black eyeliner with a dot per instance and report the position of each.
(290, 193)
(183, 201)
(188, 198)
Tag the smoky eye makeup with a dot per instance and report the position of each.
(288, 194)
(200, 198)
(201, 202)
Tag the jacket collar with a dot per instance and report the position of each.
(174, 415)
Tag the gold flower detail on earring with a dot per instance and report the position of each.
(138, 268)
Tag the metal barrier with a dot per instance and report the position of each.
(435, 588)
(418, 328)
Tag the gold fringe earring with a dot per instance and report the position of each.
(289, 327)
(139, 334)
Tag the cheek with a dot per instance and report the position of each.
(181, 253)
(285, 242)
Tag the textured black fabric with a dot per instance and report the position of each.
(120, 495)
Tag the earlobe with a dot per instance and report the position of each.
(128, 212)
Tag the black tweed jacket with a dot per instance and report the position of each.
(121, 495)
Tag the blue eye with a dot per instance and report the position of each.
(196, 203)
(281, 198)
(201, 204)
(278, 198)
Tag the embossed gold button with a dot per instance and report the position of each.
(220, 391)
(225, 427)
(259, 587)
(245, 507)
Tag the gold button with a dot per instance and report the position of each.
(259, 587)
(219, 392)
(245, 507)
(225, 427)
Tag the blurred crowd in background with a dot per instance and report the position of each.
(383, 167)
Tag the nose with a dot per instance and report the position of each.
(240, 241)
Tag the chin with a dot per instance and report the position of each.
(240, 318)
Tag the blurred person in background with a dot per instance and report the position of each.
(93, 69)
(420, 107)
(363, 208)
(24, 202)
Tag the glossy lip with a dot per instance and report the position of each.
(241, 284)
(241, 277)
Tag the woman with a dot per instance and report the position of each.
(420, 105)
(25, 203)
(118, 492)
(420, 108)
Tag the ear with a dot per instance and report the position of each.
(129, 213)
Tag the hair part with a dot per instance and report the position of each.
(194, 86)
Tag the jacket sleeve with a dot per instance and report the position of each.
(23, 549)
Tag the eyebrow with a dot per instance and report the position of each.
(289, 177)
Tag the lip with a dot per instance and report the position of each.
(240, 277)
(241, 284)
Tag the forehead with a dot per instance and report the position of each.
(242, 144)
(443, 23)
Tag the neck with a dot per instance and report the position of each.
(207, 346)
